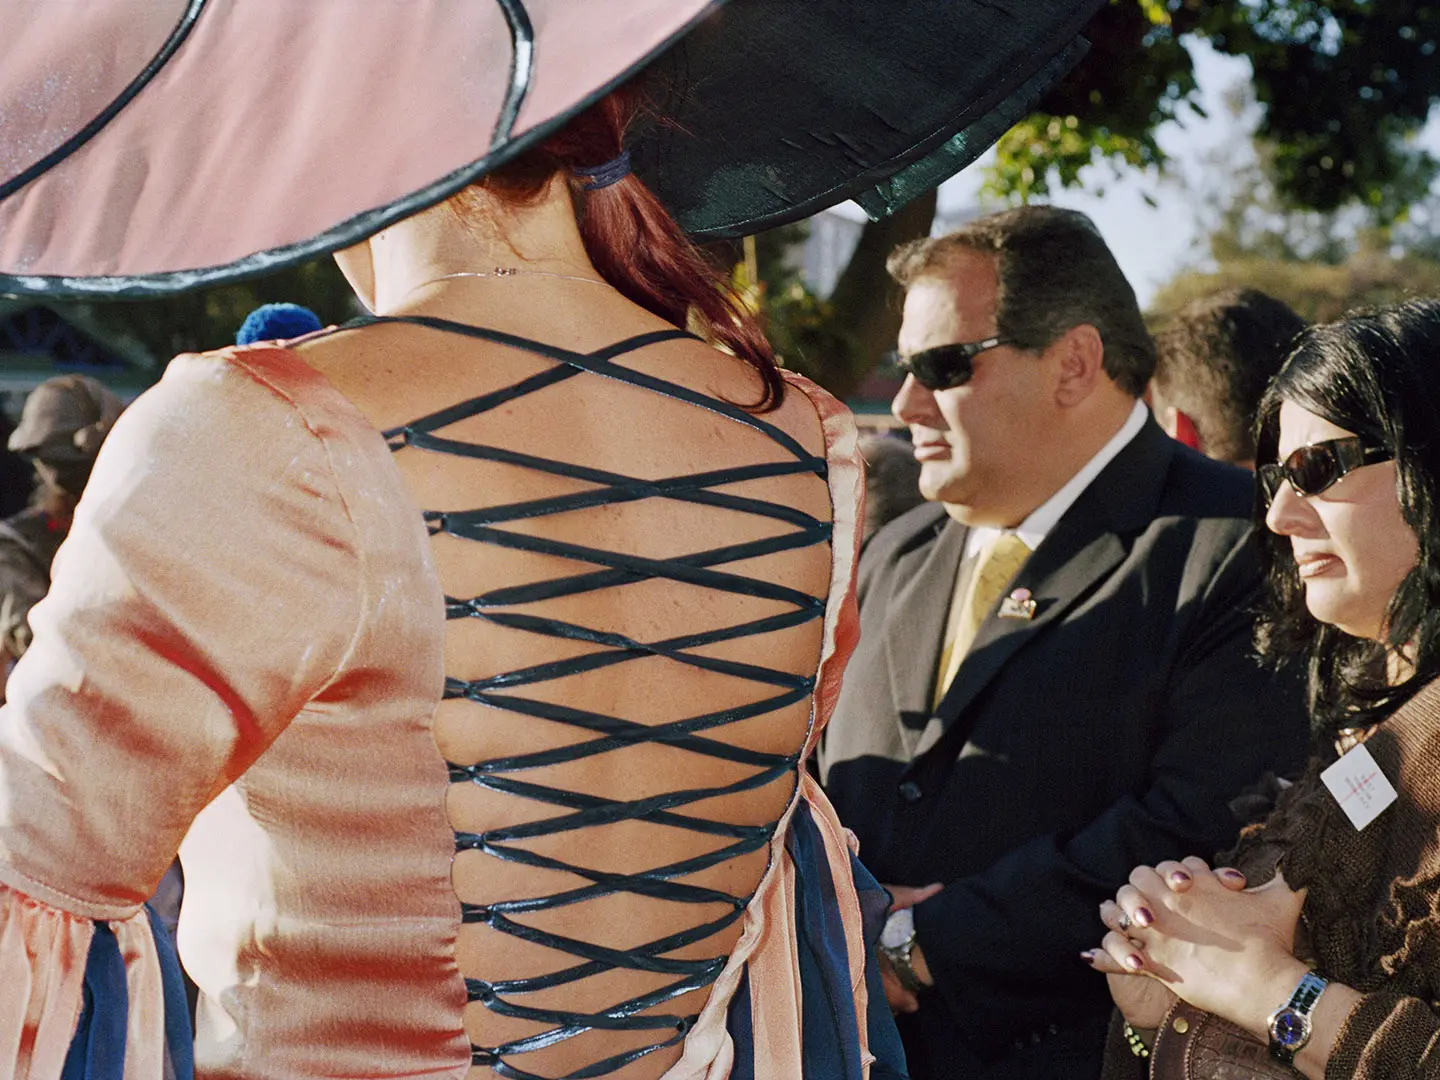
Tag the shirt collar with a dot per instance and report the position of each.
(1047, 515)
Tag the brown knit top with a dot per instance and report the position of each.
(1371, 918)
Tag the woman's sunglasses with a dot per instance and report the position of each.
(945, 366)
(1311, 469)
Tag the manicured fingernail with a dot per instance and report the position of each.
(1142, 917)
(1088, 956)
(1179, 877)
(1134, 963)
(1233, 875)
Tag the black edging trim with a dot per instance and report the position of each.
(522, 67)
(102, 119)
(1065, 39)
(343, 235)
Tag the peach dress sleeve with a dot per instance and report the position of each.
(103, 765)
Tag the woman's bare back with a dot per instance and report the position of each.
(669, 568)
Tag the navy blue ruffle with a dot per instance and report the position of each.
(98, 1050)
(830, 1048)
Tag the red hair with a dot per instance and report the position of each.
(633, 241)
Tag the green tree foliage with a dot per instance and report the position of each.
(1321, 292)
(1343, 86)
(1323, 263)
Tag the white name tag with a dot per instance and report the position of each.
(1359, 786)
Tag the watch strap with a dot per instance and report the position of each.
(1301, 1004)
(899, 957)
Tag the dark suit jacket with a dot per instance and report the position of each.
(1109, 731)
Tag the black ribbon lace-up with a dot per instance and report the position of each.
(574, 810)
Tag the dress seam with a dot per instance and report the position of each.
(356, 553)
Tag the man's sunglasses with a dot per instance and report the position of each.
(1311, 469)
(945, 366)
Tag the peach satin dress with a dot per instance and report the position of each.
(241, 659)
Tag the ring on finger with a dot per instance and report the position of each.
(1124, 921)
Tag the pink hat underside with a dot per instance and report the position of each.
(275, 120)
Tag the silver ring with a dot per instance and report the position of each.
(1124, 921)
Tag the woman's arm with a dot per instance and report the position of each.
(208, 589)
(1227, 952)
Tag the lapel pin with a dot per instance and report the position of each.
(1020, 604)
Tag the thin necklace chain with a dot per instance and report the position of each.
(504, 272)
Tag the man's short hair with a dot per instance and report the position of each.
(1214, 360)
(1055, 273)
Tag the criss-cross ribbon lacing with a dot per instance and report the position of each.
(612, 733)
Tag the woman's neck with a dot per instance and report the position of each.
(477, 236)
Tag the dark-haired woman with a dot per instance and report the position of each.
(474, 652)
(1329, 962)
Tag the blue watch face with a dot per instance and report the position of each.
(1288, 1029)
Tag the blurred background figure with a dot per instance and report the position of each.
(17, 478)
(62, 425)
(892, 479)
(1213, 362)
(277, 322)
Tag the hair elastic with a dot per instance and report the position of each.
(602, 176)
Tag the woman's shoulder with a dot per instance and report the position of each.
(1406, 747)
(252, 374)
(263, 396)
(223, 423)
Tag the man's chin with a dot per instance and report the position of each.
(945, 489)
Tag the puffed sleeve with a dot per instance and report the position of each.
(208, 590)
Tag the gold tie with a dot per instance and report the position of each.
(998, 563)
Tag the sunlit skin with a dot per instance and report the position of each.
(997, 447)
(1351, 544)
(1231, 951)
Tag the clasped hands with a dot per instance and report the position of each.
(1181, 929)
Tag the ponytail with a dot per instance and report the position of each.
(633, 241)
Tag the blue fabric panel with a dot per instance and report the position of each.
(829, 1027)
(740, 1024)
(880, 1023)
(98, 1050)
(179, 1039)
(830, 1047)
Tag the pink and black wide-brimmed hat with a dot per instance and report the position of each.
(150, 146)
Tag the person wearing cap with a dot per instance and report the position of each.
(63, 423)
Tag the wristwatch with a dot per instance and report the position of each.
(1290, 1024)
(897, 942)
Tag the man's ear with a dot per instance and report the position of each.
(1081, 353)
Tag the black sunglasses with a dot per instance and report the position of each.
(945, 366)
(1311, 469)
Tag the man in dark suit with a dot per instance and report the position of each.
(1055, 680)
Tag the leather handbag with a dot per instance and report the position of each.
(1194, 1045)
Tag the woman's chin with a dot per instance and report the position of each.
(1330, 609)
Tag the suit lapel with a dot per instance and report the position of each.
(1088, 543)
(915, 622)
